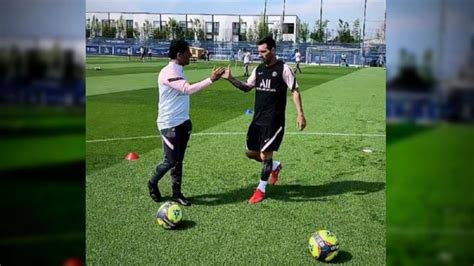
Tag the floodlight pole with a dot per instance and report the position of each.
(265, 19)
(442, 22)
(321, 20)
(282, 20)
(363, 35)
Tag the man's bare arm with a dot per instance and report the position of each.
(240, 85)
(237, 83)
(301, 120)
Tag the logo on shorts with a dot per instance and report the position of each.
(266, 140)
(274, 74)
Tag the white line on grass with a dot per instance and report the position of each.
(242, 133)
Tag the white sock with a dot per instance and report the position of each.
(262, 185)
(275, 165)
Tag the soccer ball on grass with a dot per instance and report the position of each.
(169, 215)
(323, 245)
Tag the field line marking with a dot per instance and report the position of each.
(242, 133)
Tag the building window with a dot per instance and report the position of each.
(182, 25)
(235, 28)
(288, 28)
(156, 24)
(243, 28)
(209, 30)
(129, 24)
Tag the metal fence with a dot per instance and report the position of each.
(225, 50)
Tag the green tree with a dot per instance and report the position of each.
(121, 28)
(95, 27)
(319, 32)
(356, 30)
(426, 70)
(160, 34)
(262, 30)
(275, 31)
(344, 33)
(88, 28)
(197, 29)
(173, 28)
(108, 31)
(147, 29)
(136, 31)
(303, 32)
(130, 32)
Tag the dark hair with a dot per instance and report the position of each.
(177, 46)
(269, 41)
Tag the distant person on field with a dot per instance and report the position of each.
(343, 59)
(272, 79)
(142, 54)
(247, 62)
(297, 61)
(149, 53)
(232, 56)
(173, 118)
(381, 61)
(240, 55)
(129, 53)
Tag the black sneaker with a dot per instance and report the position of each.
(154, 192)
(179, 198)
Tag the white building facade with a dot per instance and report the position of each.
(217, 27)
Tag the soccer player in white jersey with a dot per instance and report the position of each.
(173, 118)
(129, 53)
(297, 60)
(271, 79)
(247, 62)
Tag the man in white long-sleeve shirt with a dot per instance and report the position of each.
(173, 118)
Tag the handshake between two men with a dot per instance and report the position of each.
(220, 72)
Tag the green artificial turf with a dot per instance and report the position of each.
(328, 182)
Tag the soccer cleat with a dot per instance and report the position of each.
(275, 173)
(179, 198)
(154, 192)
(258, 196)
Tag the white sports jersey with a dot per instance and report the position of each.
(297, 57)
(174, 90)
(247, 57)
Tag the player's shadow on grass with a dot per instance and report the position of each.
(296, 193)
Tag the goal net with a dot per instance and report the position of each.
(334, 56)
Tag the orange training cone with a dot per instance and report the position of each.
(73, 261)
(132, 156)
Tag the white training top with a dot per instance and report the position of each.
(297, 57)
(247, 57)
(174, 91)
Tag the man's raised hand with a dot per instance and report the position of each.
(217, 73)
(227, 74)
